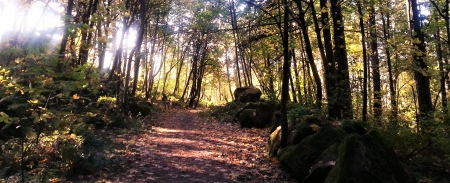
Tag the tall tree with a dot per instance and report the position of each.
(364, 53)
(286, 71)
(87, 11)
(444, 67)
(386, 21)
(235, 37)
(343, 99)
(421, 75)
(139, 41)
(376, 80)
(65, 38)
(309, 53)
(330, 69)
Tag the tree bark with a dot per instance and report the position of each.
(329, 66)
(392, 90)
(340, 52)
(137, 59)
(420, 72)
(285, 79)
(65, 38)
(234, 26)
(363, 42)
(297, 77)
(309, 53)
(377, 103)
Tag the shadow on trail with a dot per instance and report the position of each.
(182, 147)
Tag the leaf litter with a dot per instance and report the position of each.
(183, 147)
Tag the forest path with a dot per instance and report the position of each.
(183, 147)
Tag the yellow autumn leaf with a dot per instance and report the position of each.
(33, 101)
(75, 97)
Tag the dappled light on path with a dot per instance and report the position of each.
(183, 147)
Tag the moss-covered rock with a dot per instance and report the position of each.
(299, 158)
(260, 116)
(247, 94)
(351, 126)
(273, 145)
(139, 107)
(368, 159)
(264, 115)
(247, 118)
(323, 165)
(300, 132)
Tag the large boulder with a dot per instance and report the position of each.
(351, 126)
(298, 159)
(299, 130)
(247, 94)
(247, 118)
(305, 126)
(368, 159)
(264, 115)
(258, 115)
(323, 165)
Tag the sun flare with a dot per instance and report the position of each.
(29, 18)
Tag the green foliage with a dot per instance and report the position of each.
(225, 113)
(296, 111)
(427, 154)
(49, 120)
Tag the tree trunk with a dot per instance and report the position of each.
(329, 66)
(363, 42)
(115, 70)
(285, 79)
(139, 40)
(227, 63)
(86, 33)
(309, 53)
(65, 38)
(292, 82)
(234, 26)
(188, 79)
(377, 103)
(151, 59)
(420, 72)
(443, 76)
(101, 45)
(297, 77)
(340, 52)
(392, 91)
(178, 73)
(198, 68)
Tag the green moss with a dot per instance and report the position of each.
(368, 159)
(274, 143)
(299, 158)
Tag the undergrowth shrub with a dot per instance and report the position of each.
(50, 122)
(225, 112)
(426, 154)
(296, 111)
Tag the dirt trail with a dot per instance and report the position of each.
(182, 147)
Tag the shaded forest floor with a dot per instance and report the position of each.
(182, 147)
